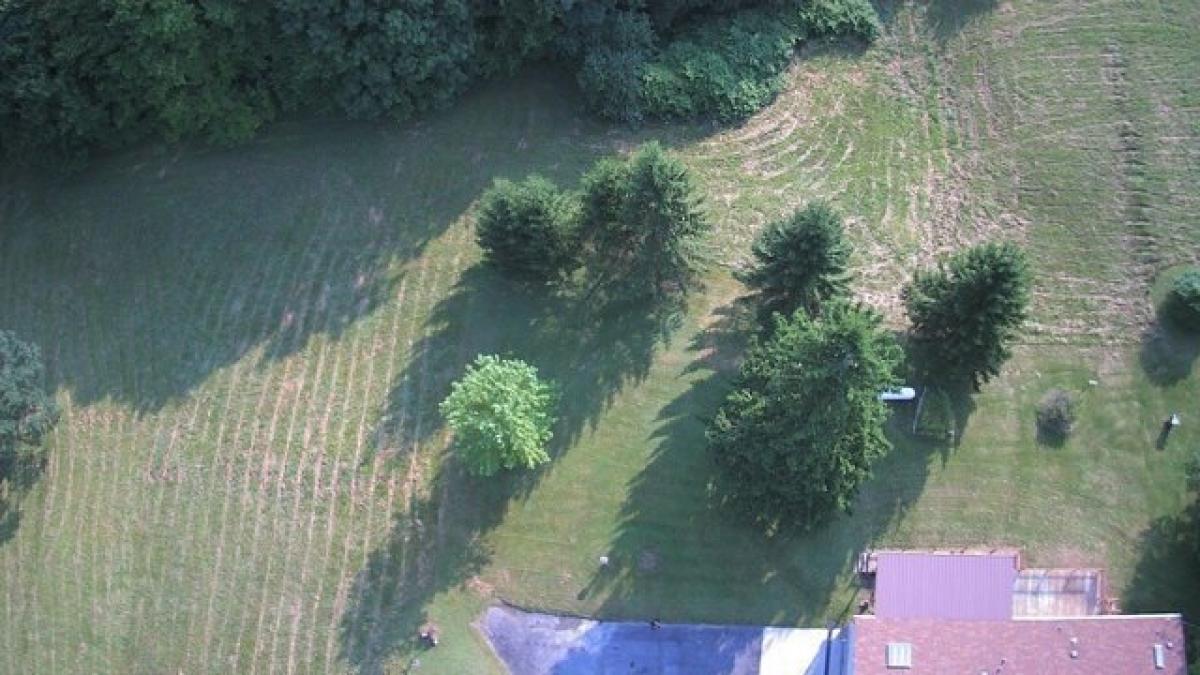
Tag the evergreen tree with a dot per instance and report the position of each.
(797, 435)
(967, 311)
(801, 262)
(527, 230)
(644, 221)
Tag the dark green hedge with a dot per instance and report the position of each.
(724, 67)
(80, 75)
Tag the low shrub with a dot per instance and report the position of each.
(1055, 416)
(841, 17)
(726, 68)
(935, 417)
(1183, 300)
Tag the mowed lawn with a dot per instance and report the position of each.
(249, 345)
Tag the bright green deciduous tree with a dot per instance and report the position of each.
(501, 414)
(802, 261)
(527, 229)
(798, 433)
(27, 413)
(966, 312)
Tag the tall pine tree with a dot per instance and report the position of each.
(527, 230)
(644, 221)
(797, 435)
(801, 262)
(966, 312)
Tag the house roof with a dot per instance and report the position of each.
(1120, 645)
(945, 585)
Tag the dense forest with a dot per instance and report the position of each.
(81, 75)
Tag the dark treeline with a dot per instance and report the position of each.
(80, 75)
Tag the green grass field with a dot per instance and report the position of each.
(249, 346)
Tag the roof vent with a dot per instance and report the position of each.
(899, 655)
(1160, 657)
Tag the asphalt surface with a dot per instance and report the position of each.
(542, 644)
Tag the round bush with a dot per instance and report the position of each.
(1055, 416)
(1183, 300)
(501, 413)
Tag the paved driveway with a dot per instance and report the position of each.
(542, 644)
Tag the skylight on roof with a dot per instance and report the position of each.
(899, 655)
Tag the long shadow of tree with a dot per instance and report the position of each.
(924, 370)
(1168, 353)
(1167, 577)
(149, 271)
(434, 546)
(148, 275)
(679, 555)
(590, 351)
(948, 18)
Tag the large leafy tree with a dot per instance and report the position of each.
(645, 220)
(386, 57)
(798, 433)
(27, 413)
(501, 414)
(80, 73)
(801, 262)
(966, 312)
(527, 229)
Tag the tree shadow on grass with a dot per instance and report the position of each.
(434, 546)
(20, 470)
(1167, 576)
(591, 351)
(149, 271)
(948, 18)
(1048, 438)
(922, 370)
(1168, 353)
(146, 274)
(677, 554)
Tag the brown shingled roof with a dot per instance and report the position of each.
(1120, 645)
